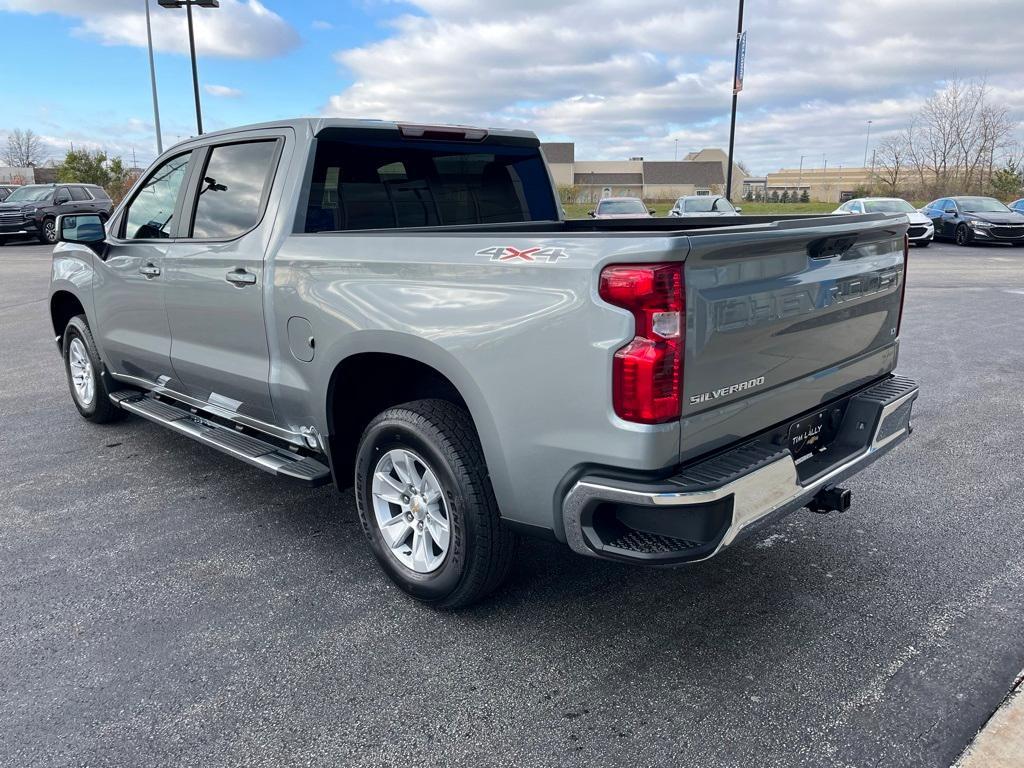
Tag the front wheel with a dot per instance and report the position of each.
(48, 232)
(87, 379)
(427, 507)
(962, 235)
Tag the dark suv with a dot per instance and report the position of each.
(33, 209)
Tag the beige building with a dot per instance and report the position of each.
(827, 185)
(701, 173)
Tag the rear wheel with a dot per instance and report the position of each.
(427, 507)
(87, 378)
(962, 236)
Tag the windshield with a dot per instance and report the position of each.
(621, 206)
(707, 204)
(29, 194)
(888, 206)
(982, 205)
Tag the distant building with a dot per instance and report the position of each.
(831, 185)
(17, 176)
(701, 173)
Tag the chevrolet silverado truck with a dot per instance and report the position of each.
(402, 309)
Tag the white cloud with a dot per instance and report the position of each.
(223, 91)
(321, 24)
(628, 80)
(241, 29)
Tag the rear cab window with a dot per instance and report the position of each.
(389, 183)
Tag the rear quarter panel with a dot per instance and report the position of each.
(528, 344)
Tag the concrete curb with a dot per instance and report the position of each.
(1000, 742)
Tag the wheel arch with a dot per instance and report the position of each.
(64, 305)
(368, 380)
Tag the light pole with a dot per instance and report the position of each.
(867, 140)
(192, 45)
(800, 177)
(152, 80)
(737, 86)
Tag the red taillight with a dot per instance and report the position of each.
(647, 373)
(903, 288)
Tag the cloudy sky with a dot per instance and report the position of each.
(618, 78)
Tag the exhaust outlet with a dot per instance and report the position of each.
(833, 499)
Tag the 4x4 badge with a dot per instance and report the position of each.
(532, 255)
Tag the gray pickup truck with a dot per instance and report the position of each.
(403, 309)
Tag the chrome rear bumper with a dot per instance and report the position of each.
(710, 505)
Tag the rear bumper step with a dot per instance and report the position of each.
(707, 506)
(258, 453)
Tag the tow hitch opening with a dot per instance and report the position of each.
(833, 499)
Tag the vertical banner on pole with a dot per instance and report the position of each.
(741, 63)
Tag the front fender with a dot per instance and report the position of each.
(72, 271)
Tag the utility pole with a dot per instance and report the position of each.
(800, 176)
(737, 86)
(152, 80)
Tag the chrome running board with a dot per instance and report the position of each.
(258, 453)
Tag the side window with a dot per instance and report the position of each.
(79, 194)
(151, 212)
(231, 192)
(62, 195)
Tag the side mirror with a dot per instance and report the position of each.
(650, 211)
(738, 209)
(591, 213)
(950, 211)
(61, 200)
(84, 229)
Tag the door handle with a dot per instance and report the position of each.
(149, 270)
(240, 277)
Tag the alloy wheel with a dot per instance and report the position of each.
(411, 510)
(83, 377)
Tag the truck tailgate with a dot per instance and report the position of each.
(785, 318)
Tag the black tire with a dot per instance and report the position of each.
(962, 236)
(480, 548)
(99, 409)
(48, 231)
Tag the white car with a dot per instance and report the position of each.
(921, 231)
(621, 208)
(703, 205)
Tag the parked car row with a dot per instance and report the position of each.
(32, 210)
(962, 219)
(689, 205)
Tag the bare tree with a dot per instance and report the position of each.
(955, 141)
(891, 170)
(24, 149)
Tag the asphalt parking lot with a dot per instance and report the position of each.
(164, 605)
